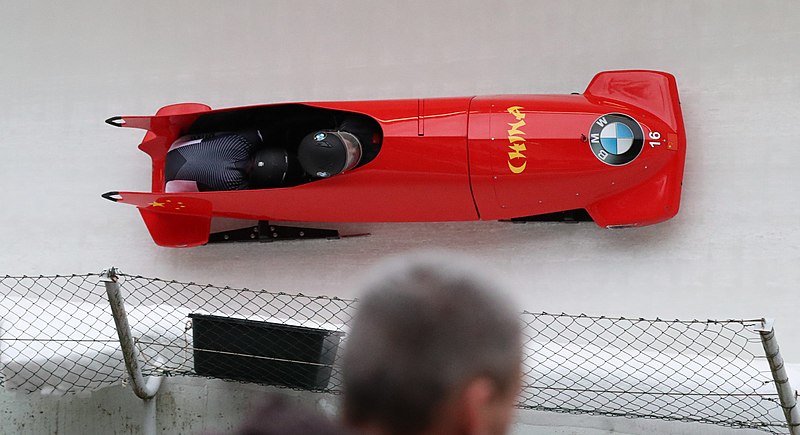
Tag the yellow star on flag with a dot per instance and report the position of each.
(156, 204)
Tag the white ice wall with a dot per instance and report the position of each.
(731, 252)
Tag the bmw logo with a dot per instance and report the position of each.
(319, 137)
(616, 139)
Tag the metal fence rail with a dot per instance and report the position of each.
(58, 336)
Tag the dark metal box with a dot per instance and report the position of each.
(263, 352)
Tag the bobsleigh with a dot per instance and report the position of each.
(614, 153)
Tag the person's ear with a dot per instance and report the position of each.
(476, 403)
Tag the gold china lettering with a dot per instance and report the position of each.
(516, 141)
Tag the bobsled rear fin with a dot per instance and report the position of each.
(653, 91)
(173, 220)
(176, 230)
(183, 109)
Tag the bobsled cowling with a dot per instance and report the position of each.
(617, 151)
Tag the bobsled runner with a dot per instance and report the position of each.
(615, 153)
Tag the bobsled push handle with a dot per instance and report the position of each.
(112, 196)
(167, 120)
(143, 122)
(116, 121)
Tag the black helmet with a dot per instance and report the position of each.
(327, 153)
(269, 169)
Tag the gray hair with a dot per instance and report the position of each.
(425, 327)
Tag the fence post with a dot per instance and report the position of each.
(144, 390)
(786, 395)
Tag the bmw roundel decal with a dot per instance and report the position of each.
(616, 139)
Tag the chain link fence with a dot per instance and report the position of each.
(58, 336)
(700, 371)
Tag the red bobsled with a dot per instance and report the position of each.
(616, 151)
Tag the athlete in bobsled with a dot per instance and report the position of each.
(244, 160)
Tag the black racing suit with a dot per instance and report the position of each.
(218, 161)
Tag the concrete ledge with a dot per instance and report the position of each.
(196, 405)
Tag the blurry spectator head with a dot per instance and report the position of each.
(434, 347)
